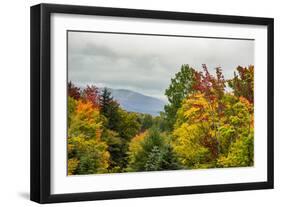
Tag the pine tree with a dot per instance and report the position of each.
(105, 100)
(109, 108)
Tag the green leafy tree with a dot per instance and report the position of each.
(91, 154)
(241, 152)
(146, 121)
(128, 125)
(71, 107)
(160, 122)
(180, 87)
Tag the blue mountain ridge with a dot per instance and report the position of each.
(136, 102)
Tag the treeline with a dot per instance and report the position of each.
(205, 125)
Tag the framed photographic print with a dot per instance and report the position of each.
(133, 103)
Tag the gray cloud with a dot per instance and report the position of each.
(147, 63)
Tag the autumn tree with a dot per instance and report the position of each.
(91, 93)
(212, 87)
(203, 126)
(212, 124)
(73, 91)
(243, 82)
(91, 155)
(87, 153)
(205, 137)
(236, 133)
(194, 134)
(134, 149)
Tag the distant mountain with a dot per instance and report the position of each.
(137, 102)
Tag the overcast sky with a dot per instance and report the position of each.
(146, 63)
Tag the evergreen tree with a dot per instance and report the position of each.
(117, 149)
(151, 151)
(109, 108)
(105, 100)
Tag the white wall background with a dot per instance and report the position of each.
(14, 102)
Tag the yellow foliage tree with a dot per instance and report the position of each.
(87, 153)
(135, 146)
(194, 132)
(209, 133)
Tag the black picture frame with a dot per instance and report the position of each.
(41, 96)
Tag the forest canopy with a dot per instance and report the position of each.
(208, 122)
